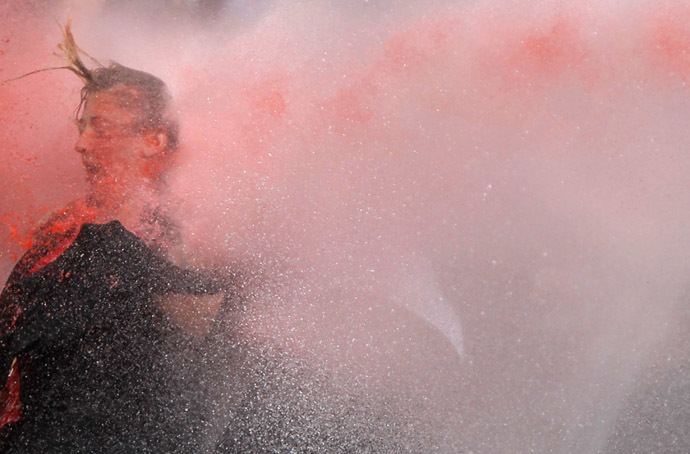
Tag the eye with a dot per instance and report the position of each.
(100, 126)
(81, 125)
(99, 123)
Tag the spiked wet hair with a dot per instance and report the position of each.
(143, 93)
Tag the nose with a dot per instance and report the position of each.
(81, 145)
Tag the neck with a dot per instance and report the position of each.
(126, 202)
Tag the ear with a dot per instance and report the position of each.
(156, 141)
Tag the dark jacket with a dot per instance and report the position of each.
(102, 368)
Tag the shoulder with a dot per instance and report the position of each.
(65, 220)
(54, 234)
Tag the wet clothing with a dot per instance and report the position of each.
(104, 371)
(102, 368)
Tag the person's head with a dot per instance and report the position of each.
(127, 132)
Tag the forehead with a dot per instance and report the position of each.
(119, 102)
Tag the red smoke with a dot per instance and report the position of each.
(519, 167)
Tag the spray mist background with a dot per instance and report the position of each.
(392, 169)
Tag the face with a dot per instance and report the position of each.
(115, 151)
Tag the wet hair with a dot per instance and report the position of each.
(142, 92)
